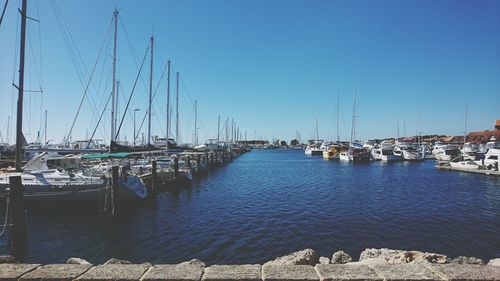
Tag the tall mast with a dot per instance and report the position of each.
(353, 125)
(218, 128)
(338, 103)
(20, 87)
(195, 123)
(465, 124)
(45, 134)
(168, 101)
(177, 109)
(317, 131)
(398, 131)
(116, 109)
(113, 92)
(150, 90)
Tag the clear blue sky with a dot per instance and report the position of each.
(271, 65)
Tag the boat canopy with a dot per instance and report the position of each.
(106, 155)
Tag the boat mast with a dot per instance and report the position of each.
(116, 109)
(150, 90)
(465, 124)
(353, 125)
(113, 91)
(317, 131)
(177, 110)
(20, 88)
(168, 101)
(338, 102)
(45, 135)
(195, 123)
(218, 128)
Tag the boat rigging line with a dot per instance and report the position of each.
(99, 121)
(87, 86)
(131, 93)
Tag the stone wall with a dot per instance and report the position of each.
(267, 272)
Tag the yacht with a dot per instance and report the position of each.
(384, 152)
(355, 153)
(332, 152)
(314, 148)
(446, 152)
(413, 153)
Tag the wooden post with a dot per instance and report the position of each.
(153, 176)
(17, 216)
(216, 157)
(116, 192)
(206, 159)
(188, 161)
(212, 158)
(223, 156)
(176, 167)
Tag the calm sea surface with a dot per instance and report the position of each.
(271, 202)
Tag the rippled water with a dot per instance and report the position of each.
(271, 202)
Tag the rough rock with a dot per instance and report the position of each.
(494, 262)
(304, 257)
(324, 260)
(77, 261)
(8, 259)
(194, 262)
(401, 256)
(467, 260)
(341, 257)
(117, 261)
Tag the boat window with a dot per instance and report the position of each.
(493, 157)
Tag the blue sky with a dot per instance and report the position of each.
(273, 66)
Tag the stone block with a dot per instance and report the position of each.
(409, 271)
(289, 272)
(12, 271)
(246, 272)
(338, 272)
(459, 272)
(117, 272)
(56, 272)
(174, 272)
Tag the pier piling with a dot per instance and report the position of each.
(17, 218)
(176, 167)
(153, 177)
(116, 192)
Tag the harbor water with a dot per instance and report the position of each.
(269, 203)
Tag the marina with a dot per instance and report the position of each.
(154, 141)
(284, 201)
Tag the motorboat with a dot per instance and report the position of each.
(355, 153)
(332, 152)
(314, 148)
(384, 152)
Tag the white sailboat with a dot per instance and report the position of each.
(356, 151)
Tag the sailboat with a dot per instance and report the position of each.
(356, 151)
(314, 147)
(62, 181)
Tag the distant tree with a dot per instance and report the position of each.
(283, 143)
(294, 142)
(276, 142)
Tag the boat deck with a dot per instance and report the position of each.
(476, 171)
